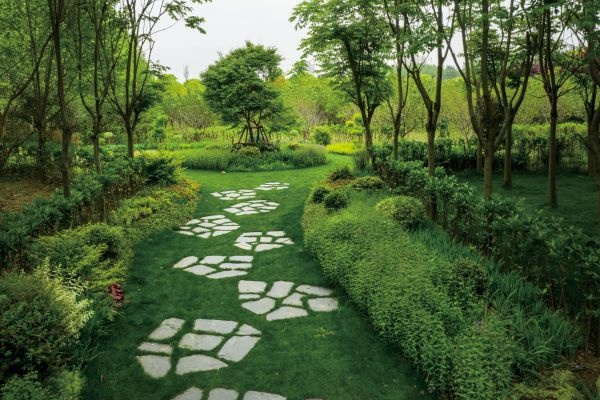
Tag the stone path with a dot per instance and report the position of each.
(216, 267)
(206, 227)
(259, 241)
(235, 194)
(253, 207)
(195, 393)
(273, 186)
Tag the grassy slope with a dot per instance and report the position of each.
(577, 196)
(328, 355)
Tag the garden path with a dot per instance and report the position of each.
(229, 307)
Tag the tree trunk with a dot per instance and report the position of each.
(129, 131)
(431, 149)
(488, 171)
(508, 144)
(395, 142)
(479, 166)
(552, 154)
(592, 162)
(96, 145)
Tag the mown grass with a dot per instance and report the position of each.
(328, 355)
(577, 195)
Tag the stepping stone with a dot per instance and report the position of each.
(241, 258)
(314, 290)
(247, 330)
(261, 306)
(193, 341)
(273, 186)
(251, 395)
(235, 265)
(249, 296)
(237, 347)
(221, 267)
(215, 325)
(167, 329)
(280, 289)
(286, 313)
(294, 300)
(200, 270)
(186, 262)
(325, 304)
(223, 394)
(235, 194)
(198, 363)
(210, 226)
(193, 393)
(210, 260)
(251, 286)
(155, 348)
(226, 274)
(155, 366)
(252, 207)
(262, 241)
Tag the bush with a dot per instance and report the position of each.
(408, 211)
(322, 135)
(319, 193)
(336, 200)
(40, 321)
(64, 385)
(248, 151)
(369, 183)
(340, 174)
(294, 146)
(341, 148)
(161, 170)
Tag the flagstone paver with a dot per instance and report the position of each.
(195, 393)
(242, 194)
(252, 207)
(259, 241)
(273, 186)
(207, 227)
(216, 267)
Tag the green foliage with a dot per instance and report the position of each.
(248, 151)
(41, 319)
(322, 135)
(560, 385)
(318, 193)
(408, 211)
(161, 170)
(63, 385)
(340, 174)
(368, 183)
(336, 200)
(341, 148)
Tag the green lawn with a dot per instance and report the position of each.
(577, 195)
(329, 355)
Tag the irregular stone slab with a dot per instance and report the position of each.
(187, 233)
(247, 239)
(206, 227)
(276, 234)
(155, 366)
(247, 259)
(247, 330)
(244, 246)
(314, 290)
(262, 242)
(252, 207)
(200, 270)
(284, 241)
(193, 393)
(155, 348)
(193, 341)
(325, 304)
(215, 326)
(235, 265)
(280, 289)
(198, 363)
(167, 329)
(266, 239)
(251, 395)
(273, 186)
(249, 296)
(251, 286)
(226, 274)
(266, 247)
(223, 394)
(286, 313)
(252, 234)
(186, 262)
(237, 347)
(295, 299)
(212, 260)
(235, 194)
(261, 306)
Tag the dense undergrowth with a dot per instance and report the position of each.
(59, 293)
(470, 328)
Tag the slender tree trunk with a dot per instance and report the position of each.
(42, 155)
(396, 135)
(479, 166)
(488, 170)
(129, 131)
(552, 156)
(508, 144)
(431, 149)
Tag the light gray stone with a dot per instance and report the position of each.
(241, 258)
(276, 233)
(167, 329)
(249, 296)
(251, 286)
(237, 347)
(235, 266)
(314, 290)
(232, 210)
(187, 233)
(252, 234)
(210, 217)
(295, 299)
(212, 260)
(227, 274)
(227, 228)
(244, 246)
(159, 348)
(266, 239)
(193, 222)
(207, 225)
(261, 306)
(198, 363)
(247, 330)
(325, 304)
(223, 394)
(220, 233)
(247, 239)
(286, 313)
(265, 247)
(155, 366)
(252, 395)
(186, 262)
(215, 325)
(193, 341)
(200, 270)
(284, 241)
(200, 230)
(205, 235)
(280, 289)
(193, 393)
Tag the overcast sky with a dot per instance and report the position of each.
(229, 23)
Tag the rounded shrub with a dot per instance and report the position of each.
(340, 174)
(40, 322)
(319, 193)
(294, 146)
(406, 210)
(322, 136)
(336, 200)
(368, 183)
(249, 151)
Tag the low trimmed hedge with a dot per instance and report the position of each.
(443, 306)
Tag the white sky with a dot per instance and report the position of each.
(229, 23)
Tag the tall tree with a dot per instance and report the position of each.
(348, 40)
